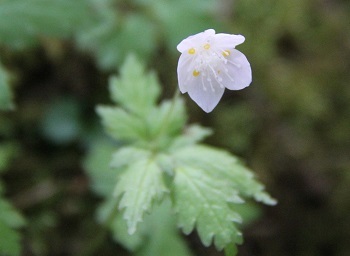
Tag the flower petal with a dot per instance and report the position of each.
(227, 41)
(194, 40)
(205, 95)
(184, 68)
(239, 73)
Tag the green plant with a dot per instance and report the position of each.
(160, 171)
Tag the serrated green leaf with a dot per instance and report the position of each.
(156, 235)
(161, 234)
(35, 18)
(5, 91)
(120, 233)
(103, 178)
(135, 90)
(139, 185)
(222, 165)
(208, 182)
(191, 135)
(121, 125)
(168, 118)
(202, 201)
(127, 155)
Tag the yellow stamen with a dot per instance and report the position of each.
(226, 53)
(206, 46)
(195, 73)
(192, 51)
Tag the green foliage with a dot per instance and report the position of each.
(103, 178)
(5, 91)
(23, 22)
(107, 28)
(111, 33)
(139, 185)
(292, 122)
(10, 219)
(61, 121)
(207, 184)
(134, 84)
(114, 29)
(159, 157)
(7, 152)
(156, 235)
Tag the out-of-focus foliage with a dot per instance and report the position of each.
(61, 122)
(10, 219)
(5, 91)
(23, 23)
(109, 29)
(143, 27)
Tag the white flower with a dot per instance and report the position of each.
(208, 63)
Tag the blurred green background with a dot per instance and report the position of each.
(291, 126)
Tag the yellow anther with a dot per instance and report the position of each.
(192, 51)
(226, 53)
(195, 73)
(206, 46)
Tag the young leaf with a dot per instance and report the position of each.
(169, 117)
(126, 155)
(23, 21)
(135, 90)
(139, 185)
(203, 201)
(191, 135)
(108, 215)
(5, 92)
(121, 125)
(227, 167)
(162, 235)
(156, 235)
(207, 182)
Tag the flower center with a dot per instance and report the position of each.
(206, 46)
(192, 51)
(226, 53)
(195, 73)
(210, 64)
